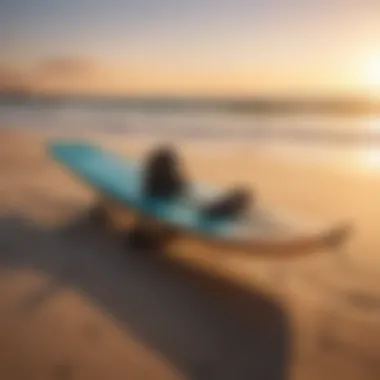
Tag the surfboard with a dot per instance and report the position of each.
(117, 178)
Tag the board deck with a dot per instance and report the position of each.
(119, 179)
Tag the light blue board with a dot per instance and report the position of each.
(120, 178)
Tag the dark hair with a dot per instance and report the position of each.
(163, 176)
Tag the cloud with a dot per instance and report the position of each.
(50, 74)
(12, 79)
(60, 67)
(64, 74)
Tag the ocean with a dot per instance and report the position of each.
(329, 138)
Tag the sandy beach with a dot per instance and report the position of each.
(331, 299)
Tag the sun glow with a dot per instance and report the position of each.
(372, 73)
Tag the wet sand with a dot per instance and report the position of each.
(331, 300)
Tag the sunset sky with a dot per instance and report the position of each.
(209, 47)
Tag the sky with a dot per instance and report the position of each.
(209, 47)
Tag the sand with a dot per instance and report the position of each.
(332, 299)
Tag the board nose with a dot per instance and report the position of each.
(66, 149)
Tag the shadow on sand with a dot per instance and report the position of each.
(208, 328)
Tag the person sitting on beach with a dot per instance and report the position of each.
(165, 178)
(163, 175)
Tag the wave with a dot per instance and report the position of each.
(318, 128)
(197, 104)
